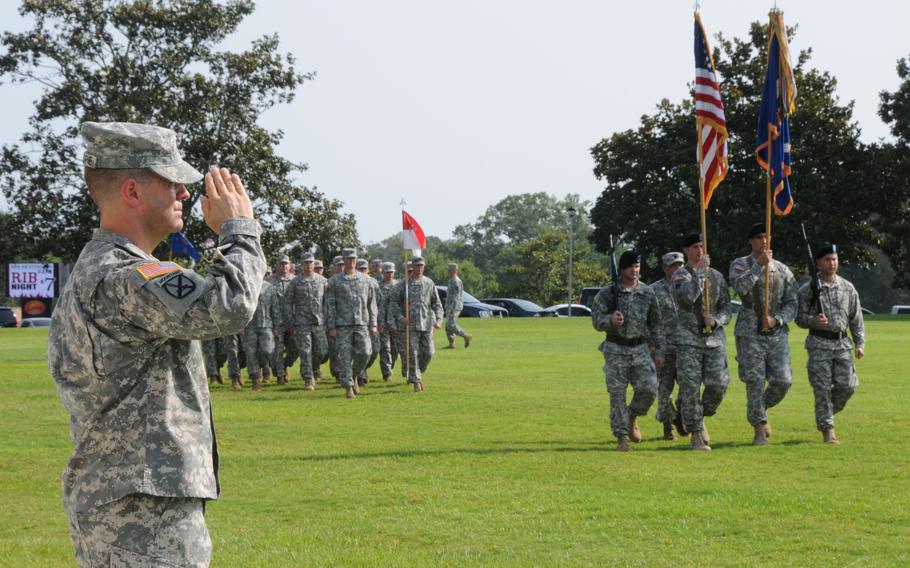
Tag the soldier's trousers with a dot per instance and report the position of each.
(388, 353)
(833, 379)
(210, 356)
(259, 345)
(354, 346)
(624, 367)
(142, 530)
(333, 355)
(312, 347)
(764, 359)
(374, 340)
(452, 328)
(285, 351)
(399, 345)
(698, 367)
(215, 352)
(666, 382)
(422, 349)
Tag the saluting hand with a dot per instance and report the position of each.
(225, 198)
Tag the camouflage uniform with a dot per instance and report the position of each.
(394, 324)
(305, 297)
(454, 304)
(701, 359)
(388, 344)
(627, 350)
(830, 365)
(259, 337)
(350, 309)
(763, 356)
(122, 353)
(374, 339)
(285, 344)
(666, 375)
(425, 312)
(216, 352)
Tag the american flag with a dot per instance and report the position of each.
(710, 124)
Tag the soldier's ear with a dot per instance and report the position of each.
(129, 193)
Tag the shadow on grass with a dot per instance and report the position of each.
(418, 453)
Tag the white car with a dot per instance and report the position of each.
(897, 310)
(562, 310)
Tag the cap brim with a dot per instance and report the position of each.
(178, 173)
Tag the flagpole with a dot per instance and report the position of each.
(768, 227)
(407, 303)
(704, 224)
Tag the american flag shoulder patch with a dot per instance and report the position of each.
(150, 270)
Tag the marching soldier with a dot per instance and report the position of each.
(424, 317)
(762, 342)
(351, 312)
(259, 335)
(363, 267)
(305, 296)
(454, 304)
(629, 314)
(827, 313)
(388, 346)
(285, 345)
(376, 269)
(701, 352)
(667, 379)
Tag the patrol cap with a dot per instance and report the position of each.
(349, 253)
(388, 267)
(317, 263)
(418, 261)
(824, 251)
(756, 229)
(284, 258)
(307, 257)
(362, 264)
(629, 258)
(691, 239)
(337, 260)
(126, 145)
(671, 258)
(376, 261)
(452, 266)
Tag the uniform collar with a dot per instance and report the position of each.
(107, 236)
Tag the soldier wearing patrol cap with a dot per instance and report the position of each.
(388, 347)
(363, 267)
(351, 318)
(123, 353)
(337, 268)
(454, 304)
(318, 268)
(827, 312)
(763, 341)
(376, 269)
(628, 313)
(667, 414)
(306, 295)
(424, 318)
(285, 345)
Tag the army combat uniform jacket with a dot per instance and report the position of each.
(425, 306)
(122, 353)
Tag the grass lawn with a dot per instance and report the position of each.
(506, 459)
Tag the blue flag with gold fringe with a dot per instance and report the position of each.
(778, 101)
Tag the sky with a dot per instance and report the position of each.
(452, 106)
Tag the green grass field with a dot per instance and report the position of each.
(506, 459)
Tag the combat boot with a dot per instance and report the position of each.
(669, 434)
(418, 387)
(239, 380)
(767, 427)
(349, 392)
(282, 380)
(829, 436)
(760, 439)
(317, 375)
(680, 427)
(255, 383)
(704, 432)
(309, 384)
(467, 340)
(622, 444)
(451, 344)
(235, 384)
(356, 387)
(266, 377)
(634, 432)
(387, 378)
(698, 442)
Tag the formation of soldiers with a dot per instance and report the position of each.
(356, 316)
(673, 333)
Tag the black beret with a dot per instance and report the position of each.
(825, 250)
(691, 239)
(756, 229)
(629, 258)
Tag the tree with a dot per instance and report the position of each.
(651, 196)
(891, 168)
(152, 61)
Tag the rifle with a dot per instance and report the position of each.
(614, 276)
(813, 272)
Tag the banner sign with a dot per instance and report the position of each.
(32, 280)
